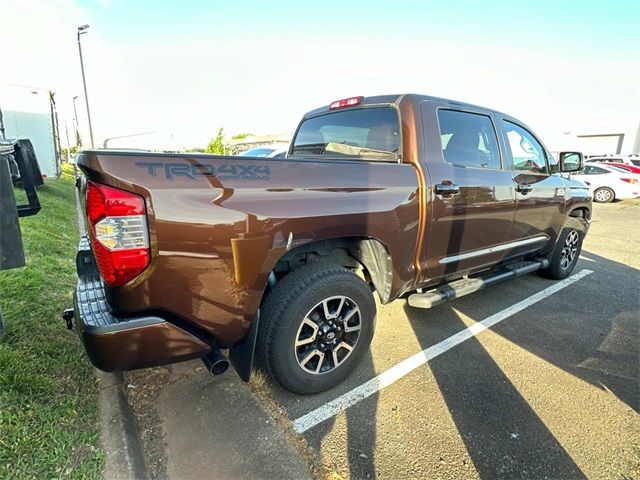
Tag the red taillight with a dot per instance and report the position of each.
(118, 232)
(345, 102)
(629, 180)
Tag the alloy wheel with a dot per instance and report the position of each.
(327, 334)
(569, 250)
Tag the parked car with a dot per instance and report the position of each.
(608, 182)
(407, 196)
(626, 159)
(625, 166)
(270, 152)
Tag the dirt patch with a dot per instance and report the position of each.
(260, 385)
(143, 388)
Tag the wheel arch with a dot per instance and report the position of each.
(355, 252)
(580, 212)
(358, 252)
(365, 253)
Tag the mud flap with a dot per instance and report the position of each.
(241, 354)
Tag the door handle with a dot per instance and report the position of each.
(447, 189)
(523, 188)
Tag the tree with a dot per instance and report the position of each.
(72, 153)
(241, 136)
(216, 144)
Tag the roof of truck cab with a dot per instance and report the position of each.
(397, 98)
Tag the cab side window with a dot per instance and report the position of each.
(468, 139)
(591, 170)
(527, 153)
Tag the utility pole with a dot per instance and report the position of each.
(1, 125)
(66, 131)
(82, 29)
(76, 126)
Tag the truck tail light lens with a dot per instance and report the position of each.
(118, 233)
(629, 180)
(345, 102)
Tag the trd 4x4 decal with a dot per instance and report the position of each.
(227, 171)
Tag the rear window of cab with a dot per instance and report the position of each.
(372, 132)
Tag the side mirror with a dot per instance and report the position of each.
(571, 161)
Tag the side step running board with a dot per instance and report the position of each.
(465, 286)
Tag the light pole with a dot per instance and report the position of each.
(75, 125)
(81, 30)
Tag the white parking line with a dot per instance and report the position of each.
(398, 371)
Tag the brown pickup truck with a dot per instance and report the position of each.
(404, 195)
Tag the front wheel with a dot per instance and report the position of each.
(316, 326)
(604, 195)
(564, 255)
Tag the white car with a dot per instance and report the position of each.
(271, 152)
(633, 160)
(608, 183)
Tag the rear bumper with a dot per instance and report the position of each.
(624, 190)
(113, 343)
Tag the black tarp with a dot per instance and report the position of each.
(11, 250)
(24, 148)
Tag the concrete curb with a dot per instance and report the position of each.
(119, 434)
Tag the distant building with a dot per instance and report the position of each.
(610, 143)
(617, 142)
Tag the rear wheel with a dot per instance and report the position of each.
(564, 255)
(604, 195)
(316, 326)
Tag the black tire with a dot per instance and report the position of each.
(564, 256)
(604, 195)
(299, 296)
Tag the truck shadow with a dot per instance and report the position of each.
(596, 338)
(502, 433)
(360, 434)
(605, 352)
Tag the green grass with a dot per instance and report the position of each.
(48, 395)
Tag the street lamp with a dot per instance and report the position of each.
(82, 29)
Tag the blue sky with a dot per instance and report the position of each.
(187, 68)
(609, 27)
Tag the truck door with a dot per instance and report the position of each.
(539, 190)
(470, 192)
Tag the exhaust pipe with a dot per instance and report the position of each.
(216, 362)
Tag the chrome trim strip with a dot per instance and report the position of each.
(498, 248)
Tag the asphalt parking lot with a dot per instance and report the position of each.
(550, 390)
